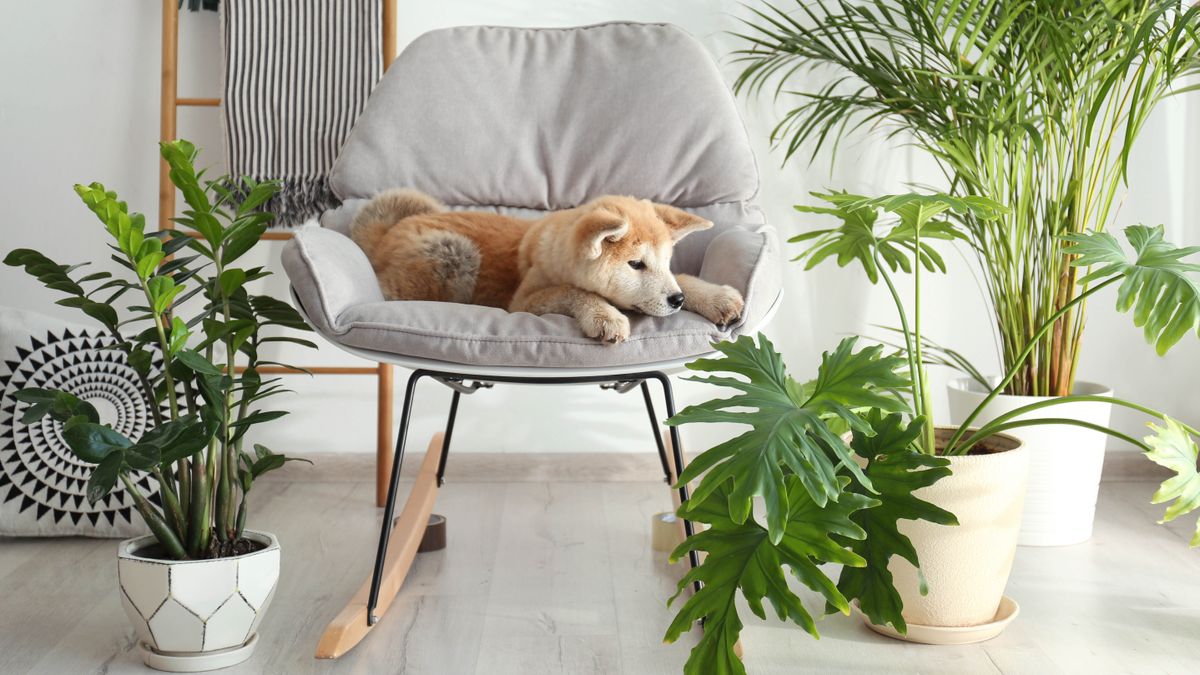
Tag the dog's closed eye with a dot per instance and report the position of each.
(637, 265)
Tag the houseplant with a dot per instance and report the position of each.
(819, 508)
(1035, 105)
(198, 585)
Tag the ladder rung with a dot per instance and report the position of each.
(267, 236)
(204, 102)
(319, 370)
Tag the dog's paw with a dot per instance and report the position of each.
(610, 326)
(723, 306)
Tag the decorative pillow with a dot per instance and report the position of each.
(43, 486)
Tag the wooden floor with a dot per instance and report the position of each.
(550, 577)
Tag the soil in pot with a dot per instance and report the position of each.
(216, 549)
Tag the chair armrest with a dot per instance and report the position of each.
(748, 260)
(329, 274)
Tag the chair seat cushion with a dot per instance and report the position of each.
(338, 291)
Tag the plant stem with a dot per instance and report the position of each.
(993, 429)
(199, 528)
(914, 367)
(162, 532)
(173, 512)
(925, 409)
(1062, 400)
(952, 446)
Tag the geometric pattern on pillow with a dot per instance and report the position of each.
(43, 486)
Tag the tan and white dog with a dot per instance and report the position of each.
(589, 262)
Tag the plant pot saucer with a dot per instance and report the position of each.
(952, 635)
(198, 662)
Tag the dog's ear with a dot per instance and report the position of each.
(596, 227)
(680, 222)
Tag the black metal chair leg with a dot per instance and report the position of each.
(389, 511)
(658, 439)
(441, 471)
(677, 450)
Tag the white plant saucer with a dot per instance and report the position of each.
(952, 635)
(178, 662)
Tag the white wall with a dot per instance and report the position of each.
(79, 102)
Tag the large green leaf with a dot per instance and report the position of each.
(741, 556)
(788, 423)
(1171, 446)
(897, 469)
(1157, 284)
(864, 238)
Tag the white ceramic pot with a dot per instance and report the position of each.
(197, 615)
(966, 566)
(1065, 461)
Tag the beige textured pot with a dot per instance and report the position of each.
(966, 567)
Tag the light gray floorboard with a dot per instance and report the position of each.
(555, 577)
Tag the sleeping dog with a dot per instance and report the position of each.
(589, 262)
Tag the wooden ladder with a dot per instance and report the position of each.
(171, 102)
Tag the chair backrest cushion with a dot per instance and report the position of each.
(545, 119)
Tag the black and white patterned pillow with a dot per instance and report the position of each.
(43, 486)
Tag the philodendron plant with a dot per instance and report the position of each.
(824, 500)
(197, 363)
(1156, 283)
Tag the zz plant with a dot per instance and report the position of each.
(197, 362)
(825, 499)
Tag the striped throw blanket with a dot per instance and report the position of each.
(297, 75)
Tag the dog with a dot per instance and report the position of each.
(590, 262)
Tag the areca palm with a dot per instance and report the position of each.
(1033, 104)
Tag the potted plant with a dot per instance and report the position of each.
(1035, 105)
(880, 504)
(197, 586)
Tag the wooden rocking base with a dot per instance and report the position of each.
(350, 626)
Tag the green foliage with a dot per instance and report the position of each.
(196, 324)
(817, 500)
(896, 472)
(900, 243)
(862, 239)
(743, 557)
(1035, 105)
(1173, 447)
(788, 425)
(1156, 284)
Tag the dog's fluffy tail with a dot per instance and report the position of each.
(388, 208)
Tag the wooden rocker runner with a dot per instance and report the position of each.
(564, 115)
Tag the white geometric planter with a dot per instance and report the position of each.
(196, 615)
(1065, 462)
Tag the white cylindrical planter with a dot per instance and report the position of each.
(1065, 461)
(966, 566)
(197, 615)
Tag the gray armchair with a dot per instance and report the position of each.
(525, 121)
